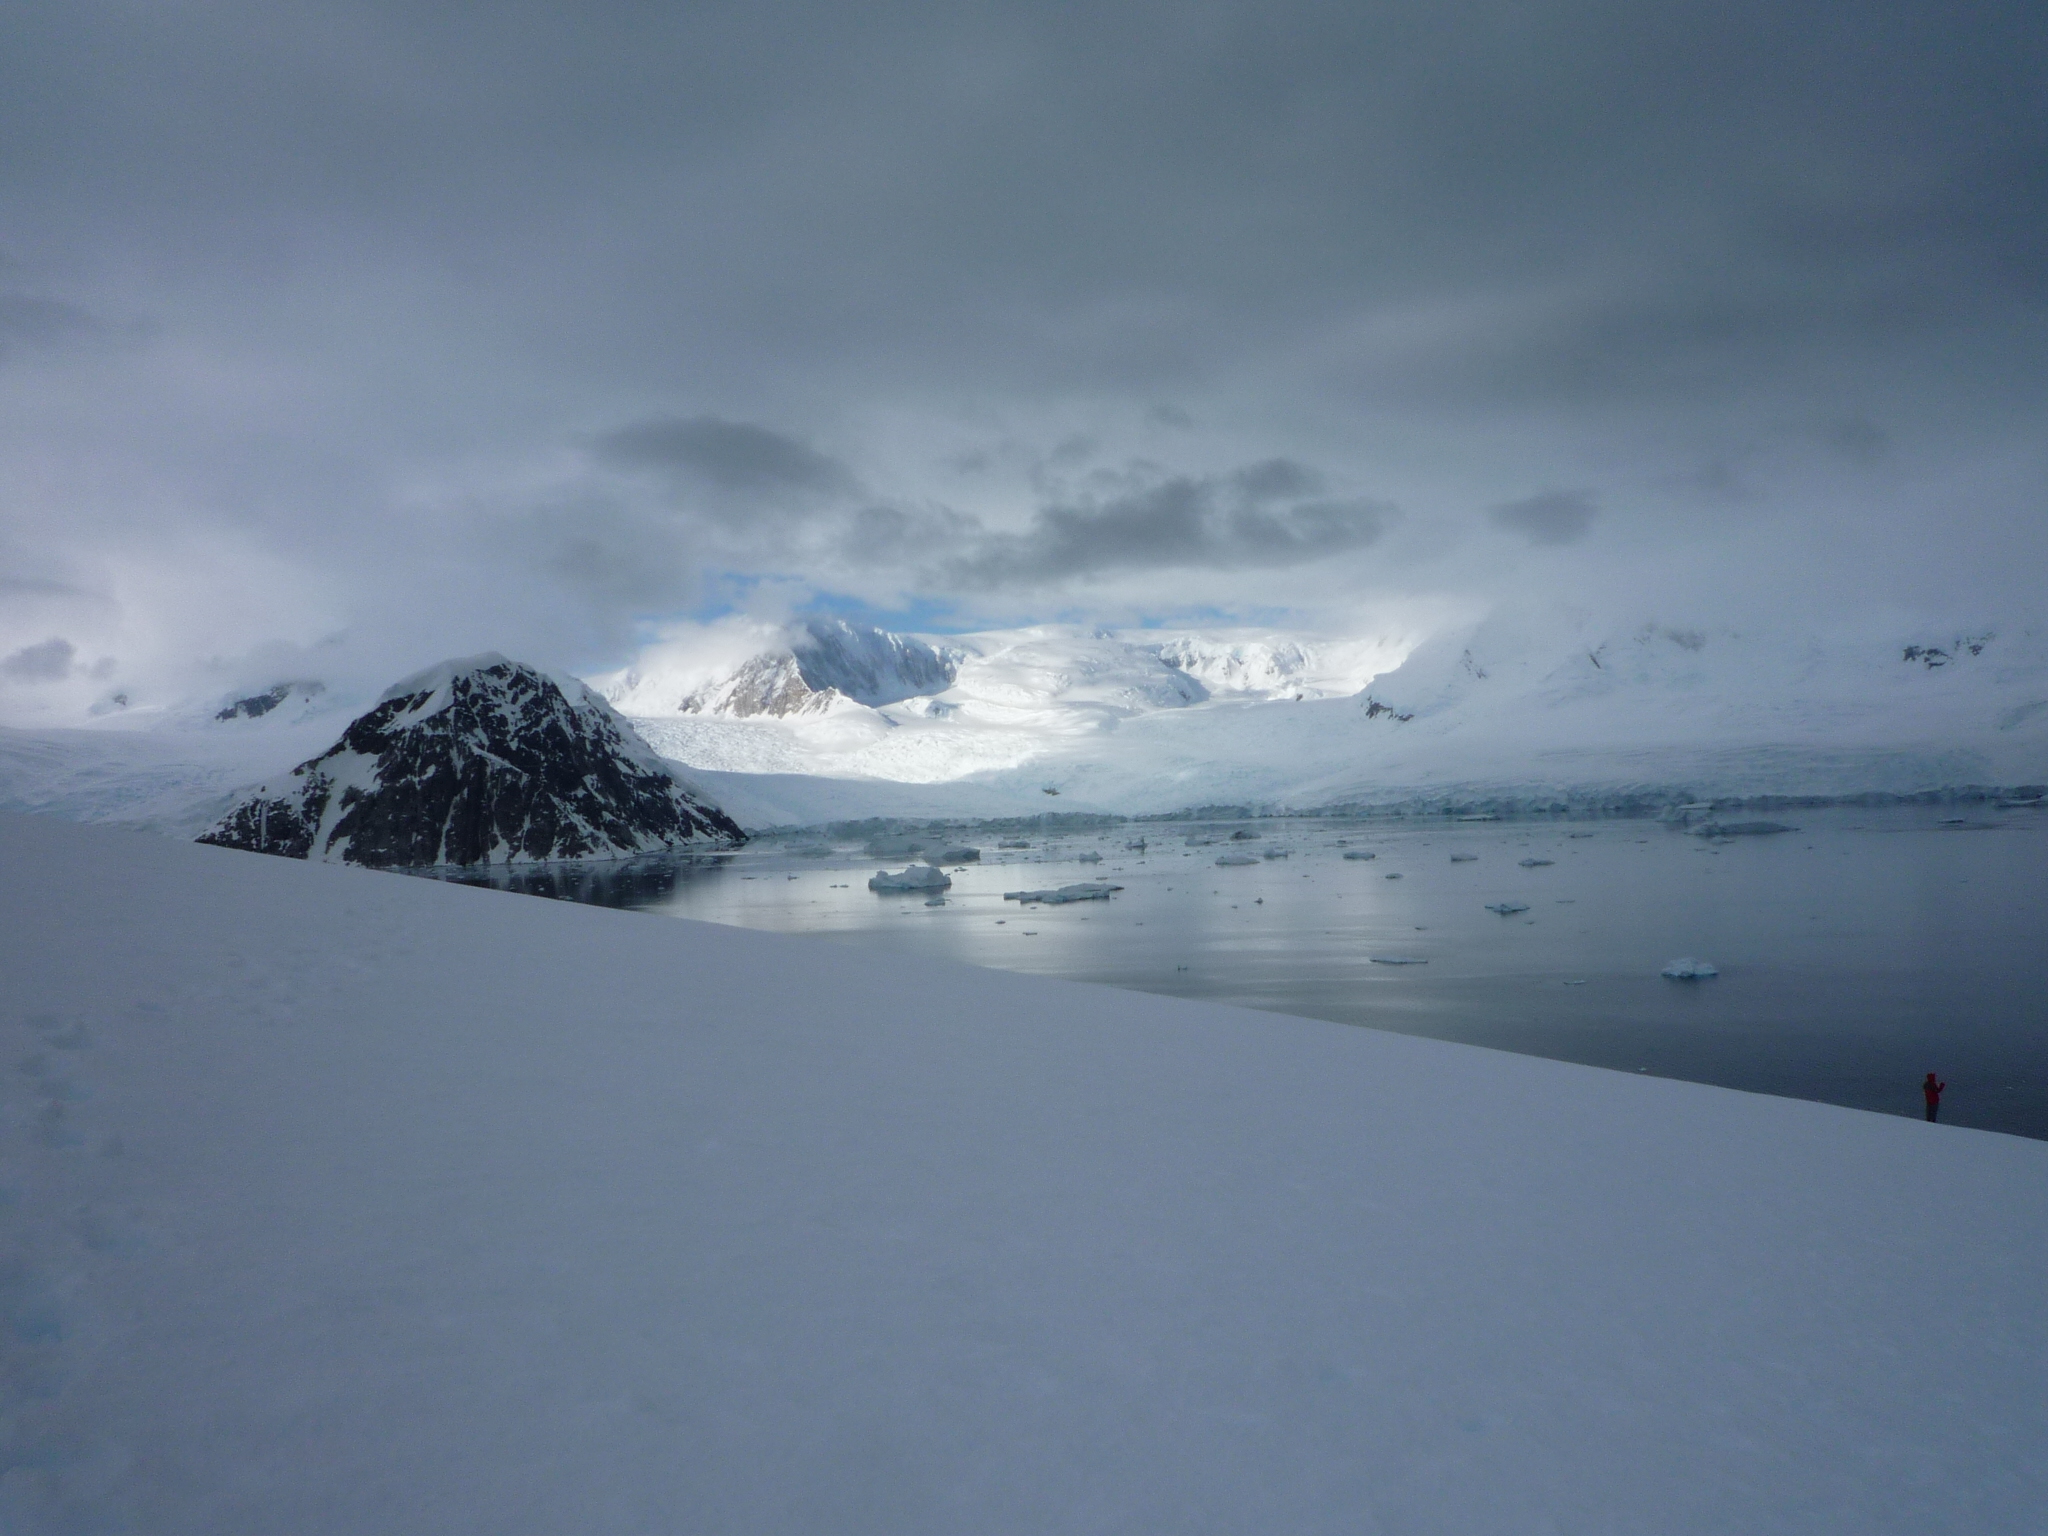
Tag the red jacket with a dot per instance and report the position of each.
(1932, 1091)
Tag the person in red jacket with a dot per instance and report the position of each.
(1931, 1091)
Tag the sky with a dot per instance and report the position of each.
(336, 338)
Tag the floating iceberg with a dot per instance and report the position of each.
(1278, 853)
(1393, 877)
(1396, 960)
(1087, 890)
(1136, 845)
(1090, 857)
(1238, 858)
(1740, 828)
(1535, 863)
(961, 856)
(1241, 835)
(1359, 853)
(1689, 969)
(1507, 908)
(1014, 842)
(919, 877)
(1458, 858)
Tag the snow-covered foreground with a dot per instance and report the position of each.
(341, 1202)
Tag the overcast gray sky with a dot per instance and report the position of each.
(335, 338)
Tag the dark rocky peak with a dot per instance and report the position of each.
(479, 761)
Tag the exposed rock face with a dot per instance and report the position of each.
(480, 761)
(256, 705)
(831, 661)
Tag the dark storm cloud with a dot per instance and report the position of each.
(1263, 516)
(27, 321)
(733, 456)
(398, 259)
(1549, 517)
(46, 662)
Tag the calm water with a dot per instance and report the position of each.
(1855, 954)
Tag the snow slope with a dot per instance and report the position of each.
(341, 1202)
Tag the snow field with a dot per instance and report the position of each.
(335, 1201)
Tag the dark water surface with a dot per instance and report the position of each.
(1856, 953)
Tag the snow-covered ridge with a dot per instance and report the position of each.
(826, 663)
(478, 761)
(1520, 707)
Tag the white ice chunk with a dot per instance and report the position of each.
(1690, 969)
(1535, 863)
(1086, 890)
(1740, 828)
(1238, 858)
(919, 877)
(1507, 908)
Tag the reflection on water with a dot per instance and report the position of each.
(1856, 953)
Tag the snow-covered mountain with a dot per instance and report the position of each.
(1531, 706)
(478, 761)
(824, 663)
(1528, 707)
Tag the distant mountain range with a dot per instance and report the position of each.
(834, 720)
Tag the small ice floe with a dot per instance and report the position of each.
(961, 856)
(919, 877)
(1135, 845)
(1964, 824)
(1200, 842)
(1392, 877)
(935, 901)
(1488, 816)
(1278, 853)
(1086, 890)
(1535, 863)
(1396, 960)
(1690, 969)
(1507, 908)
(1464, 858)
(1242, 835)
(1090, 857)
(1578, 834)
(1237, 858)
(1740, 828)
(1014, 842)
(1360, 853)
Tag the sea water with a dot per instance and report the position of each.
(1855, 953)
